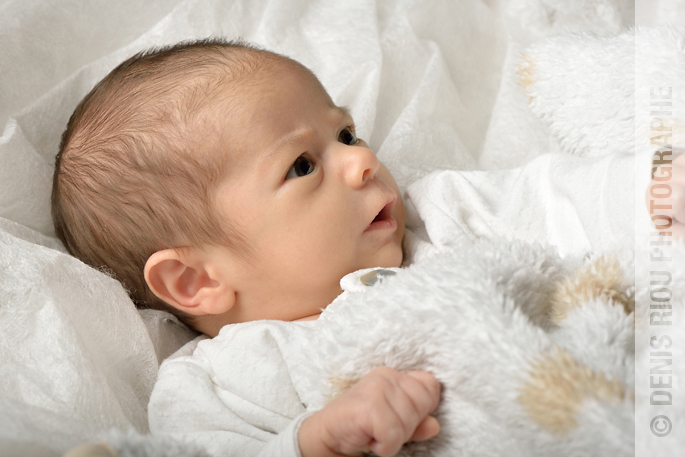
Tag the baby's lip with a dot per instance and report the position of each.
(383, 218)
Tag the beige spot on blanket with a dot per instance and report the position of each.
(602, 279)
(525, 70)
(341, 385)
(667, 130)
(93, 450)
(558, 385)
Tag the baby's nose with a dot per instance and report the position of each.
(361, 165)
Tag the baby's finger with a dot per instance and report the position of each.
(408, 398)
(677, 230)
(426, 429)
(678, 160)
(408, 403)
(677, 200)
(670, 173)
(666, 199)
(388, 433)
(431, 385)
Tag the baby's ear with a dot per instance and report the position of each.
(186, 279)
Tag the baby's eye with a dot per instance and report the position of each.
(346, 136)
(301, 167)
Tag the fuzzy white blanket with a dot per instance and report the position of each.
(535, 359)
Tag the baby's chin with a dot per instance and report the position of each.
(398, 253)
(394, 257)
(400, 246)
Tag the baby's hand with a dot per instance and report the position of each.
(666, 197)
(380, 413)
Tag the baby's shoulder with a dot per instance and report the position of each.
(237, 346)
(257, 362)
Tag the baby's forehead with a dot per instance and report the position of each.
(278, 68)
(262, 89)
(271, 110)
(248, 93)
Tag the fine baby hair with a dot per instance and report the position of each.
(134, 174)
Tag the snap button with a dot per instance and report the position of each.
(372, 277)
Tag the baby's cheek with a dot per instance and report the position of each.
(395, 255)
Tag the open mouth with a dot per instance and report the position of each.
(384, 217)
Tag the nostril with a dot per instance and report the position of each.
(359, 165)
(367, 174)
(370, 172)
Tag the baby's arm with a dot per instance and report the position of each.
(666, 197)
(384, 410)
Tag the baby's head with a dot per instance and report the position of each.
(220, 182)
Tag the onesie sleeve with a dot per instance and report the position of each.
(232, 395)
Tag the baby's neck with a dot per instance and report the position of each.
(313, 317)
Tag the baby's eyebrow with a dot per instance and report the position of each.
(344, 112)
(291, 139)
(302, 133)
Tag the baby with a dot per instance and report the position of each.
(221, 183)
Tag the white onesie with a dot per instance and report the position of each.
(243, 392)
